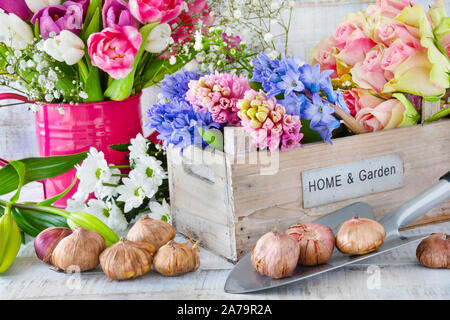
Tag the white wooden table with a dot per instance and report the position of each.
(394, 275)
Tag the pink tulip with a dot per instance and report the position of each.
(369, 73)
(114, 49)
(387, 115)
(324, 55)
(395, 55)
(148, 11)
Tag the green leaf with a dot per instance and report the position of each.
(41, 220)
(122, 147)
(438, 115)
(37, 31)
(93, 86)
(94, 5)
(213, 137)
(120, 89)
(50, 201)
(309, 135)
(157, 69)
(20, 170)
(38, 169)
(92, 27)
(411, 116)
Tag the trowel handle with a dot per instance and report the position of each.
(421, 204)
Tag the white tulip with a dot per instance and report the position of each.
(158, 40)
(66, 47)
(15, 32)
(36, 5)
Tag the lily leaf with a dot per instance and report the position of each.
(20, 169)
(52, 200)
(37, 169)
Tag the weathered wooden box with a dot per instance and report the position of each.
(229, 199)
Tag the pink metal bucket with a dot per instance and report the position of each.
(96, 124)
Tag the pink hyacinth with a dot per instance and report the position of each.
(218, 93)
(268, 123)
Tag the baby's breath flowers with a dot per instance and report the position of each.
(38, 76)
(265, 22)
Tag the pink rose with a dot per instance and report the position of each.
(114, 49)
(324, 55)
(388, 30)
(388, 114)
(369, 73)
(395, 55)
(148, 11)
(389, 8)
(342, 34)
(356, 48)
(352, 101)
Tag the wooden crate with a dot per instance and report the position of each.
(229, 199)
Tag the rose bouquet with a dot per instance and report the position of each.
(387, 59)
(92, 50)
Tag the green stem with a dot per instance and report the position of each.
(119, 175)
(110, 185)
(119, 167)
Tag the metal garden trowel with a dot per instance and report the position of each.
(244, 278)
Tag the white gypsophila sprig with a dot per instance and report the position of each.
(150, 168)
(109, 213)
(135, 189)
(138, 147)
(160, 211)
(96, 176)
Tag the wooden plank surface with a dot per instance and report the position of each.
(394, 275)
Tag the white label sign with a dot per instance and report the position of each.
(351, 180)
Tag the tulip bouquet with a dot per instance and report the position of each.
(387, 59)
(75, 51)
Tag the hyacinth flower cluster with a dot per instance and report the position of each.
(174, 117)
(306, 91)
(268, 122)
(218, 94)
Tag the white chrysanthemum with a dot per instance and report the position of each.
(151, 169)
(138, 147)
(160, 212)
(135, 189)
(109, 213)
(94, 173)
(76, 205)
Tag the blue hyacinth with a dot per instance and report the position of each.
(175, 118)
(304, 88)
(175, 86)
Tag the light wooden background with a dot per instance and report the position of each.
(313, 20)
